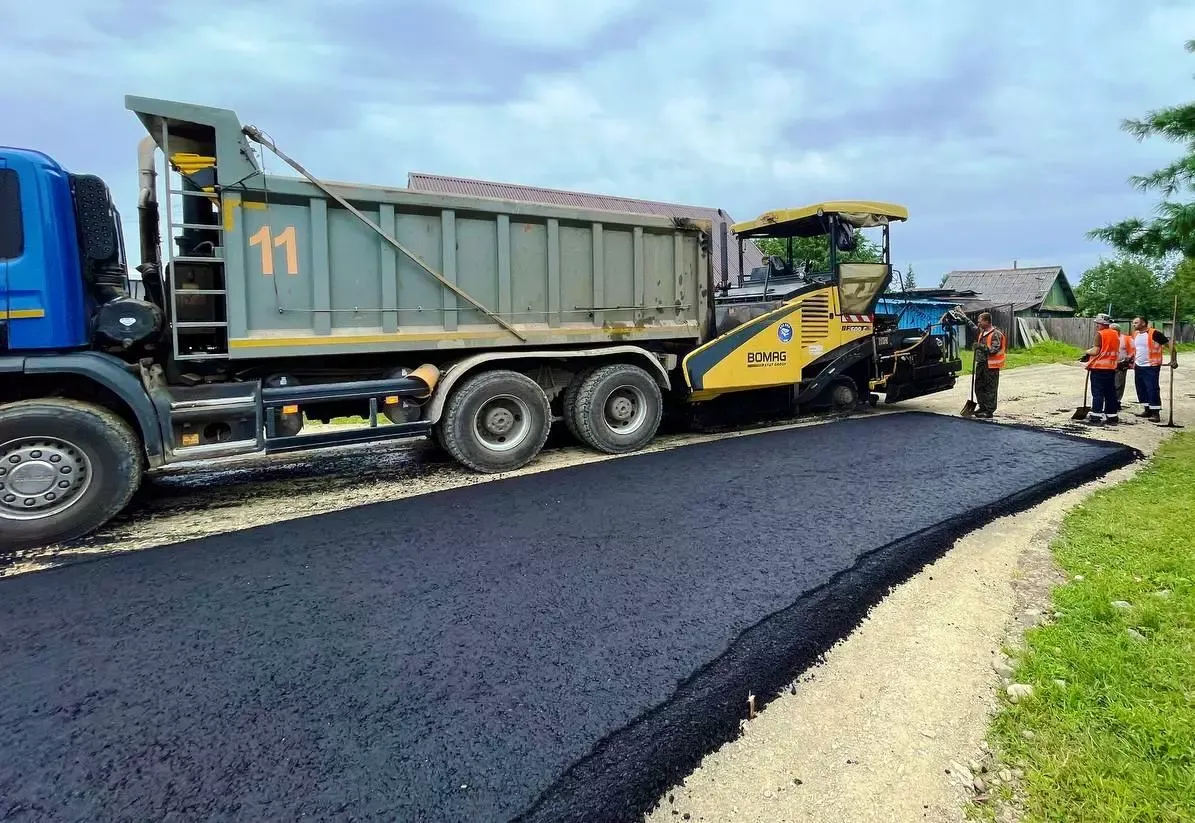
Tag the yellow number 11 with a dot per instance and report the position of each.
(286, 238)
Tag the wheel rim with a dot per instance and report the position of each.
(503, 423)
(625, 410)
(41, 477)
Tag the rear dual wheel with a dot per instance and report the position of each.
(498, 421)
(614, 409)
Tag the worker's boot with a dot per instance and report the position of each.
(1154, 415)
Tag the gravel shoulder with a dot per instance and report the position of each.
(883, 730)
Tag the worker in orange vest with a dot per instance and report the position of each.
(1102, 360)
(1126, 362)
(1147, 367)
(990, 349)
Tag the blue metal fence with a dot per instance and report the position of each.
(917, 314)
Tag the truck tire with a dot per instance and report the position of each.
(618, 409)
(94, 454)
(568, 403)
(496, 421)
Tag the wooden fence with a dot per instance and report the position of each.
(1080, 331)
(1076, 331)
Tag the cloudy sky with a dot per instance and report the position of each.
(996, 123)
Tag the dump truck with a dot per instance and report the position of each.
(276, 299)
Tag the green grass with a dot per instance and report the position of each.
(1049, 351)
(1117, 741)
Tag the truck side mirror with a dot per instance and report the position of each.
(93, 209)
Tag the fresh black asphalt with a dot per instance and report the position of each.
(557, 646)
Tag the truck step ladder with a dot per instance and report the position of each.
(214, 319)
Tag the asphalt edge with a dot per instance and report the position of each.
(624, 776)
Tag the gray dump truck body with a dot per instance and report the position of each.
(298, 274)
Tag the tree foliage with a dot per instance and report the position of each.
(1181, 284)
(1125, 287)
(817, 250)
(1172, 229)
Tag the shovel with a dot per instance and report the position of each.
(969, 406)
(1084, 410)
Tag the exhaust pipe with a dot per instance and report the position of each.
(147, 170)
(147, 224)
(147, 202)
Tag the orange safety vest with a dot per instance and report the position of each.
(1154, 349)
(995, 361)
(1128, 349)
(1109, 342)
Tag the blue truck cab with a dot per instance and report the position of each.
(77, 422)
(43, 305)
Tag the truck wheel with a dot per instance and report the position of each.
(496, 421)
(66, 468)
(568, 403)
(618, 409)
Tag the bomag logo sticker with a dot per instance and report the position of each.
(766, 358)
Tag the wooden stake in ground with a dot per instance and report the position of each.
(1170, 424)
